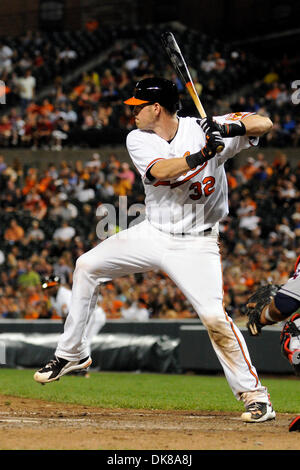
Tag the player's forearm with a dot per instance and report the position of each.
(280, 308)
(171, 168)
(271, 314)
(256, 125)
(174, 167)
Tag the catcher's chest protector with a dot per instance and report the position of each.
(290, 341)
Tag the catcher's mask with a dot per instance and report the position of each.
(290, 342)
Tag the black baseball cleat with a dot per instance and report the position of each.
(258, 412)
(58, 367)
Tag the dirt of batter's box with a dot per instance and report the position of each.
(27, 424)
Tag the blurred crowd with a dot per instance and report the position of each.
(88, 110)
(49, 218)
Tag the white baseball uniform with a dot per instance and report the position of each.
(187, 205)
(292, 285)
(62, 302)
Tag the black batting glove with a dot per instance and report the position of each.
(206, 153)
(209, 126)
(226, 130)
(212, 133)
(233, 129)
(214, 143)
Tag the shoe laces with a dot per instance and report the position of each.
(255, 406)
(53, 362)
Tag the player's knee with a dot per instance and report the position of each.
(83, 263)
(91, 265)
(212, 321)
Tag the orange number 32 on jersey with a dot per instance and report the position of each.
(206, 188)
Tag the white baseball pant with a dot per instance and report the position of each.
(194, 264)
(95, 324)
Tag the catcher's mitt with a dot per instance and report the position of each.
(260, 298)
(290, 342)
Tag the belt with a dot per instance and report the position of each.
(203, 233)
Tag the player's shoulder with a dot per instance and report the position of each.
(188, 122)
(138, 136)
(232, 117)
(132, 135)
(188, 119)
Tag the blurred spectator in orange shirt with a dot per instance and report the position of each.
(232, 182)
(92, 25)
(122, 186)
(31, 180)
(249, 169)
(273, 92)
(5, 130)
(14, 232)
(46, 108)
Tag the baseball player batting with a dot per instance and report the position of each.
(186, 196)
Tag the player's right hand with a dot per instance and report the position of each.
(214, 141)
(213, 144)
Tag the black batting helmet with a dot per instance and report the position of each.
(155, 90)
(50, 281)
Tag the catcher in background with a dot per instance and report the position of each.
(60, 297)
(273, 304)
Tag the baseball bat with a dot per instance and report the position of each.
(175, 55)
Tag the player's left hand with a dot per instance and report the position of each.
(225, 130)
(209, 126)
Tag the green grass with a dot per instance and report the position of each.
(146, 391)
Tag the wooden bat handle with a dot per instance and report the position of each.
(191, 89)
